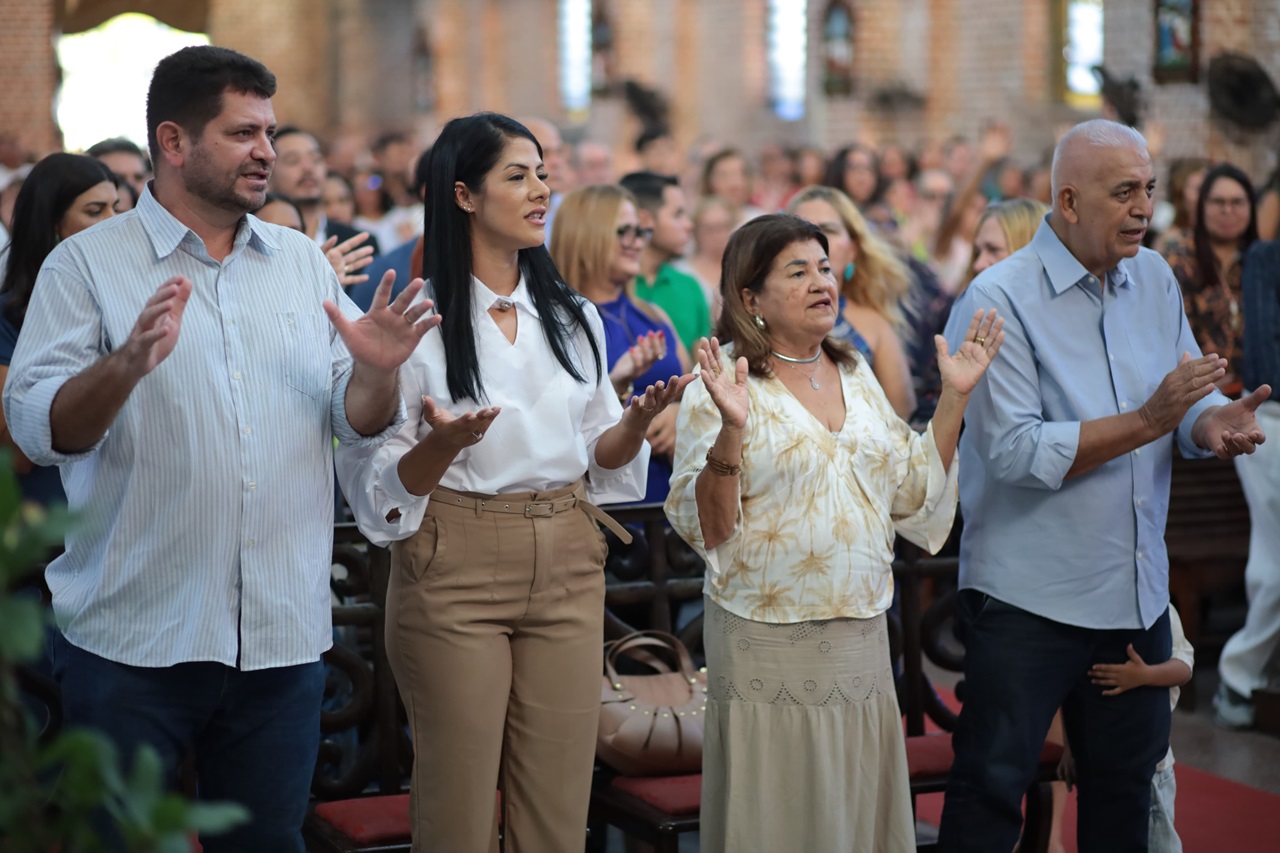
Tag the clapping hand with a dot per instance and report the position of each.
(961, 372)
(636, 361)
(457, 431)
(385, 337)
(155, 333)
(348, 257)
(642, 409)
(1232, 430)
(728, 390)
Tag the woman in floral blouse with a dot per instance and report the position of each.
(792, 478)
(1208, 266)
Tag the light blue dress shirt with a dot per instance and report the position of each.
(1087, 551)
(206, 523)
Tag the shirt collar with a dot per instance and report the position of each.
(1062, 267)
(486, 298)
(167, 233)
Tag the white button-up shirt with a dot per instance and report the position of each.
(206, 511)
(544, 438)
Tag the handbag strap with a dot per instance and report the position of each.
(633, 646)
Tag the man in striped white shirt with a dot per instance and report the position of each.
(179, 366)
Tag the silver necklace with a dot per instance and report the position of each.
(792, 362)
(789, 360)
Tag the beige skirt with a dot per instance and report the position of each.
(803, 747)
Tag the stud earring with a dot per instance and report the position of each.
(759, 322)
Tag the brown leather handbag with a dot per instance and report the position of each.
(651, 725)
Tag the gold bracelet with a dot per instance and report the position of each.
(721, 468)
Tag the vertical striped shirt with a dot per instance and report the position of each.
(206, 510)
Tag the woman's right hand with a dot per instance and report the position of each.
(457, 431)
(635, 362)
(728, 390)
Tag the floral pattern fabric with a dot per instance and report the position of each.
(1213, 312)
(818, 512)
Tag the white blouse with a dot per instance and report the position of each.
(544, 438)
(818, 512)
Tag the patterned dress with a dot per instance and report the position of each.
(804, 747)
(1214, 311)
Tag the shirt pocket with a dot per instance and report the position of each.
(307, 360)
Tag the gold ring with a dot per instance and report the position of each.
(978, 339)
(345, 269)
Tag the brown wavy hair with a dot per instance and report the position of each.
(748, 258)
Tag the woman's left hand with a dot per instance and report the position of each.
(961, 372)
(644, 408)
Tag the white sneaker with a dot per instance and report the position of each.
(1231, 710)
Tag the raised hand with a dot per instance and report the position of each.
(1184, 386)
(728, 391)
(384, 337)
(642, 409)
(155, 333)
(457, 431)
(348, 257)
(1232, 429)
(961, 372)
(636, 361)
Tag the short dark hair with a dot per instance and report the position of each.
(389, 138)
(115, 145)
(648, 188)
(293, 130)
(650, 135)
(187, 87)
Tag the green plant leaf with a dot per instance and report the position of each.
(21, 629)
(215, 818)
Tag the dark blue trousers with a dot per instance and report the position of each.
(1019, 669)
(255, 734)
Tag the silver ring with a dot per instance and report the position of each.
(478, 435)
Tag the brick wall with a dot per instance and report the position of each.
(29, 69)
(350, 65)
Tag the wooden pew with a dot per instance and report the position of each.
(1207, 536)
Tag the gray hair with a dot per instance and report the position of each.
(1097, 133)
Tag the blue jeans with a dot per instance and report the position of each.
(254, 735)
(1019, 669)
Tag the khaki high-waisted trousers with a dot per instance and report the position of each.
(494, 631)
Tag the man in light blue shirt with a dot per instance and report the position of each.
(1064, 486)
(194, 427)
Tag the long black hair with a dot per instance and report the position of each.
(46, 195)
(1205, 258)
(465, 151)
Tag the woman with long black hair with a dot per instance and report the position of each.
(496, 600)
(63, 195)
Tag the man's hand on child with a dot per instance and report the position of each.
(1120, 677)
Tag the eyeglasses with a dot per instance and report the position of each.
(629, 233)
(1228, 203)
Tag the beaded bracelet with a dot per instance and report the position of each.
(720, 467)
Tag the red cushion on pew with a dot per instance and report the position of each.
(931, 755)
(671, 794)
(369, 820)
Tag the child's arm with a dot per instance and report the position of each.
(1136, 672)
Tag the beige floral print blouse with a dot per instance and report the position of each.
(817, 512)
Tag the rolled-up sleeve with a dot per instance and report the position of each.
(342, 367)
(608, 485)
(1005, 412)
(62, 336)
(697, 426)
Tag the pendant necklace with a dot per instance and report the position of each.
(793, 362)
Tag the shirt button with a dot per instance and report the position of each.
(1139, 554)
(1124, 405)
(1139, 501)
(235, 375)
(253, 485)
(1137, 453)
(1112, 357)
(248, 431)
(250, 545)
